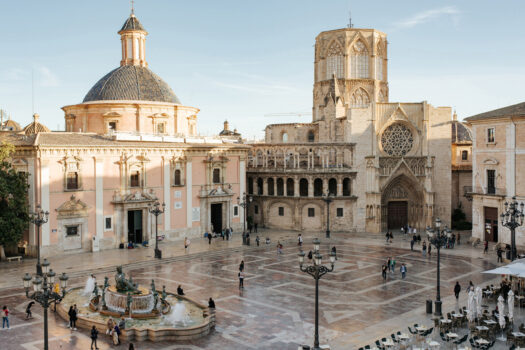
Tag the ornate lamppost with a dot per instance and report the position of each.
(246, 200)
(155, 210)
(317, 270)
(438, 238)
(43, 292)
(327, 198)
(512, 218)
(39, 218)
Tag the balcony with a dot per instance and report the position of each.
(216, 190)
(469, 191)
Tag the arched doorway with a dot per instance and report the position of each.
(402, 203)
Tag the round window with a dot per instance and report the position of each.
(397, 140)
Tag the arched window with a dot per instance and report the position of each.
(346, 187)
(280, 187)
(359, 61)
(311, 136)
(177, 181)
(318, 187)
(250, 185)
(359, 99)
(290, 191)
(271, 187)
(285, 137)
(334, 61)
(464, 155)
(259, 186)
(303, 188)
(332, 187)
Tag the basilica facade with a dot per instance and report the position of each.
(128, 144)
(381, 164)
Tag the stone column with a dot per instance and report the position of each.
(325, 185)
(265, 186)
(296, 186)
(310, 186)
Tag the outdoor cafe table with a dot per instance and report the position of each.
(403, 336)
(482, 328)
(518, 334)
(451, 335)
(421, 329)
(482, 341)
(433, 343)
(388, 343)
(457, 315)
(490, 322)
(445, 320)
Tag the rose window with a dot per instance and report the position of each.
(397, 140)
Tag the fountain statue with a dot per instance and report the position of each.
(123, 285)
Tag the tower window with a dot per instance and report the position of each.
(285, 137)
(72, 181)
(464, 155)
(334, 61)
(359, 61)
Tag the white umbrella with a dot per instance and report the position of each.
(479, 296)
(501, 312)
(471, 306)
(510, 300)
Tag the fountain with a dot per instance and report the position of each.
(148, 313)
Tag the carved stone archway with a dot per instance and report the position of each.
(402, 195)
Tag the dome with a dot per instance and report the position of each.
(35, 127)
(130, 82)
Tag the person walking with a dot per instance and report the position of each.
(187, 244)
(500, 254)
(29, 314)
(457, 290)
(389, 263)
(257, 240)
(94, 336)
(387, 235)
(116, 335)
(211, 303)
(424, 249)
(241, 266)
(412, 245)
(393, 262)
(75, 317)
(241, 279)
(429, 250)
(334, 250)
(486, 247)
(5, 317)
(383, 271)
(403, 270)
(470, 287)
(279, 247)
(209, 238)
(300, 240)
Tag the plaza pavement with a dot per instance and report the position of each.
(276, 308)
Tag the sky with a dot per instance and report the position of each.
(245, 60)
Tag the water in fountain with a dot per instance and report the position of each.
(177, 315)
(90, 285)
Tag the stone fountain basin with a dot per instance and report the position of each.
(200, 325)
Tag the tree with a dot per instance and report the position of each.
(14, 216)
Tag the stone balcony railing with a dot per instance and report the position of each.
(468, 191)
(210, 190)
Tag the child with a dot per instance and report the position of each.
(5, 317)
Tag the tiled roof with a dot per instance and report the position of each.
(134, 83)
(132, 23)
(517, 110)
(460, 133)
(16, 138)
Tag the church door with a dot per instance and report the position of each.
(491, 224)
(397, 214)
(135, 226)
(216, 217)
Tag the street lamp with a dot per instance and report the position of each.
(438, 238)
(512, 218)
(39, 218)
(155, 210)
(246, 200)
(316, 271)
(327, 198)
(43, 292)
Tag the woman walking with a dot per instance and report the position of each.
(94, 336)
(241, 279)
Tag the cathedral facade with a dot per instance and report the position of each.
(130, 143)
(380, 164)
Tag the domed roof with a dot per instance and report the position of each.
(136, 83)
(132, 23)
(35, 127)
(461, 133)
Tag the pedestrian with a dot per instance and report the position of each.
(257, 240)
(209, 238)
(116, 335)
(388, 263)
(180, 291)
(5, 317)
(300, 240)
(457, 290)
(403, 270)
(255, 227)
(383, 271)
(241, 266)
(310, 255)
(424, 249)
(334, 251)
(75, 316)
(110, 325)
(187, 244)
(279, 247)
(429, 250)
(211, 303)
(94, 336)
(414, 238)
(241, 279)
(486, 245)
(122, 323)
(29, 314)
(131, 346)
(391, 236)
(393, 262)
(387, 235)
(402, 230)
(458, 238)
(223, 233)
(470, 287)
(500, 254)
(412, 244)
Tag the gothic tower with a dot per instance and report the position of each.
(350, 71)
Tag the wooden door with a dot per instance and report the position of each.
(491, 224)
(397, 214)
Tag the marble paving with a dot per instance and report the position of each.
(276, 308)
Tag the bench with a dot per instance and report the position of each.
(11, 258)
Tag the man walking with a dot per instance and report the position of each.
(300, 240)
(403, 270)
(457, 290)
(500, 254)
(94, 336)
(486, 247)
(383, 272)
(412, 244)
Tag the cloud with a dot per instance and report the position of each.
(45, 77)
(425, 16)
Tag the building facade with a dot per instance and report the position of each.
(129, 144)
(385, 164)
(461, 153)
(498, 156)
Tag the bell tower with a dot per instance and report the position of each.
(133, 40)
(353, 62)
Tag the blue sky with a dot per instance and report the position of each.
(240, 60)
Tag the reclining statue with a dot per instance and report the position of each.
(123, 285)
